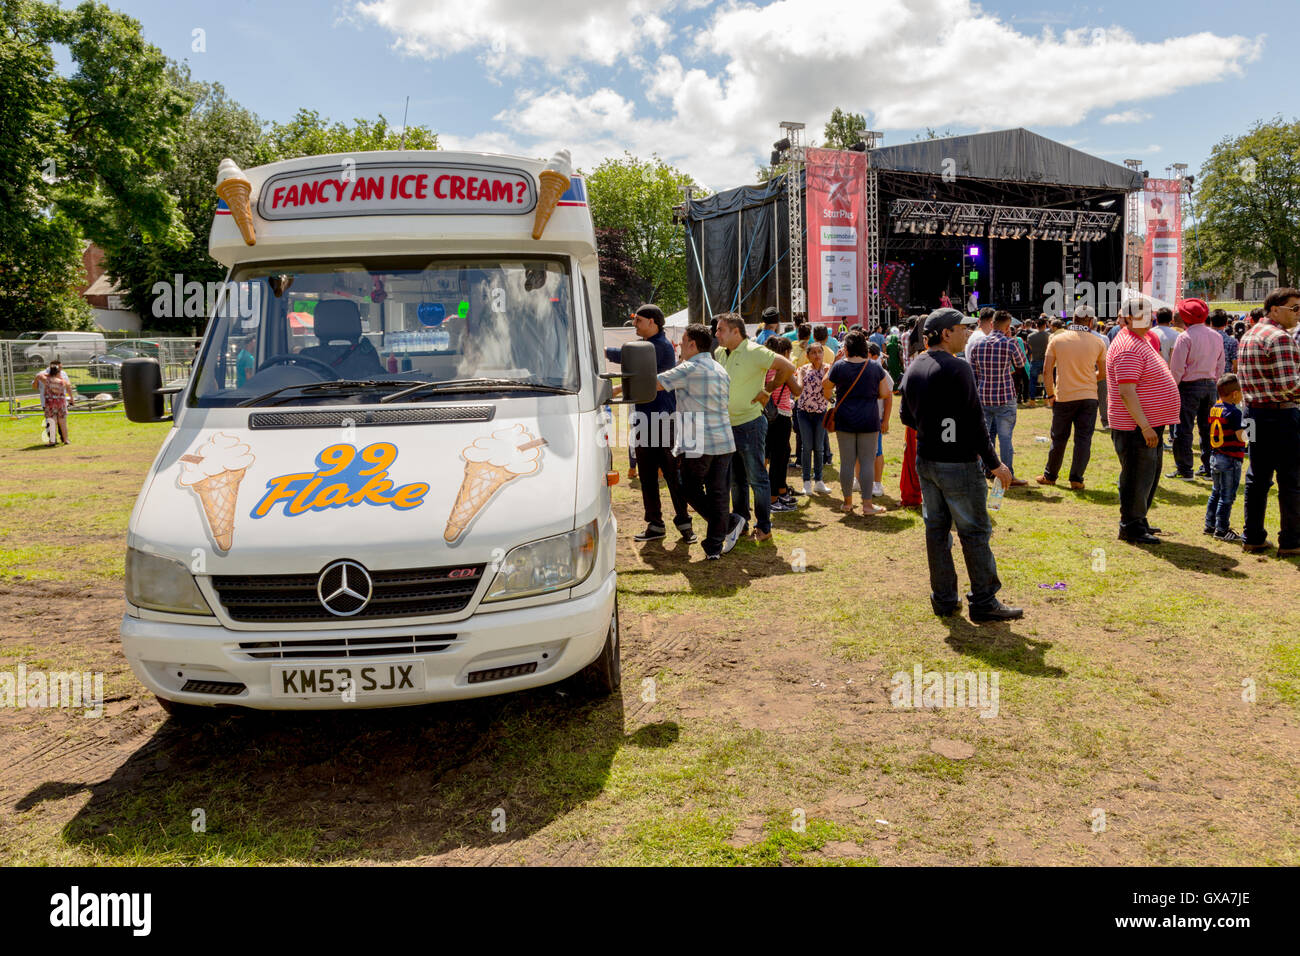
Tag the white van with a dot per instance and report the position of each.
(387, 481)
(70, 348)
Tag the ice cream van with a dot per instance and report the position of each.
(387, 480)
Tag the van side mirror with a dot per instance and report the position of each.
(142, 390)
(640, 373)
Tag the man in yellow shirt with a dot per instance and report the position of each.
(1074, 363)
(747, 363)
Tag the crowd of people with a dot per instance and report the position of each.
(737, 403)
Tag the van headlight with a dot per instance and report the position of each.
(547, 565)
(161, 584)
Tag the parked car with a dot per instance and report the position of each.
(109, 365)
(71, 348)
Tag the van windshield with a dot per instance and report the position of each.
(357, 331)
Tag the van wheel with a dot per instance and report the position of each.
(603, 676)
(185, 713)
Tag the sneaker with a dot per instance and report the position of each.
(1228, 535)
(807, 488)
(856, 486)
(782, 505)
(652, 532)
(877, 489)
(793, 466)
(1180, 477)
(687, 534)
(689, 538)
(738, 525)
(1210, 531)
(788, 498)
(821, 488)
(712, 557)
(1202, 473)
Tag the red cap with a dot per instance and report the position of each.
(1193, 311)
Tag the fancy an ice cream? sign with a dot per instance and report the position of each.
(359, 189)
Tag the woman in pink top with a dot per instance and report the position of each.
(56, 391)
(809, 411)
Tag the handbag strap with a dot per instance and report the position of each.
(855, 381)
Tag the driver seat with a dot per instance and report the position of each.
(342, 346)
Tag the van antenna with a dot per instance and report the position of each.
(405, 113)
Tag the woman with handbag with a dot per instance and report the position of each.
(809, 411)
(55, 389)
(855, 419)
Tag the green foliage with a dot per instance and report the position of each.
(309, 135)
(1248, 199)
(932, 133)
(843, 128)
(637, 197)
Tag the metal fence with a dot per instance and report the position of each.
(95, 370)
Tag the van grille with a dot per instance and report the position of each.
(292, 598)
(349, 647)
(331, 418)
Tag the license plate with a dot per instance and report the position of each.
(376, 679)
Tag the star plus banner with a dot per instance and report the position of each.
(1162, 266)
(836, 198)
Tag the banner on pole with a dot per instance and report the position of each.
(1162, 265)
(836, 198)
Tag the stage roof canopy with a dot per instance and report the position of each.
(1008, 155)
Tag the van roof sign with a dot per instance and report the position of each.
(385, 189)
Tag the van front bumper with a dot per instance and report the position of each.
(559, 639)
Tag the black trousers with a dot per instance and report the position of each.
(1139, 475)
(1197, 398)
(649, 462)
(1081, 416)
(1275, 452)
(706, 483)
(778, 453)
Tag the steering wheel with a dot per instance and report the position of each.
(289, 358)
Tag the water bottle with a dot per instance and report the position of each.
(995, 495)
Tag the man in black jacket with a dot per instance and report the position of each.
(953, 449)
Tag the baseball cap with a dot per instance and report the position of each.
(942, 319)
(1193, 311)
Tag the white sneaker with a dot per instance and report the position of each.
(821, 488)
(807, 487)
(738, 526)
(856, 486)
(877, 489)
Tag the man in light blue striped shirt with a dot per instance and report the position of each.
(704, 441)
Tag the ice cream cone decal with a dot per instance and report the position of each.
(213, 471)
(490, 464)
(233, 186)
(551, 184)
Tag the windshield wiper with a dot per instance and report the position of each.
(476, 385)
(339, 385)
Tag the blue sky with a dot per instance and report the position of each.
(705, 84)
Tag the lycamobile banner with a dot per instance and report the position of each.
(837, 231)
(1162, 266)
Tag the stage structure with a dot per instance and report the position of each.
(990, 219)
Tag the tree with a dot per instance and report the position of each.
(622, 289)
(637, 197)
(1249, 200)
(843, 130)
(84, 153)
(932, 133)
(309, 135)
(215, 127)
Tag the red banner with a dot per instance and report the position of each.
(1162, 265)
(836, 203)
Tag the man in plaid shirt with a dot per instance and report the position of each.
(994, 359)
(1268, 365)
(704, 442)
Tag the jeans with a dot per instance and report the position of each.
(1001, 421)
(747, 472)
(1033, 370)
(1197, 398)
(1227, 476)
(856, 448)
(1101, 404)
(778, 453)
(1139, 474)
(1275, 450)
(705, 482)
(956, 493)
(812, 435)
(1081, 415)
(650, 461)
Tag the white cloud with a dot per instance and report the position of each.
(711, 103)
(508, 32)
(1127, 116)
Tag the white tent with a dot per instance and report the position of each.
(678, 320)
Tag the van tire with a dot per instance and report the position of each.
(602, 677)
(185, 713)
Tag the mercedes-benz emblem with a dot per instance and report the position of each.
(344, 588)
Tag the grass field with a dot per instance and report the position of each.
(1148, 711)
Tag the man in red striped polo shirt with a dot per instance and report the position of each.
(1268, 366)
(1142, 399)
